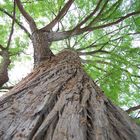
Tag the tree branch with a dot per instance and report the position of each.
(92, 45)
(16, 21)
(112, 9)
(26, 15)
(98, 61)
(89, 16)
(55, 36)
(93, 52)
(91, 62)
(122, 69)
(1, 47)
(112, 23)
(60, 15)
(12, 28)
(4, 67)
(6, 87)
(133, 109)
(99, 14)
(78, 40)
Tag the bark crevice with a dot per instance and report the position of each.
(58, 101)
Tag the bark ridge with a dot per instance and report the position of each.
(58, 101)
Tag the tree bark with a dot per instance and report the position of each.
(4, 67)
(41, 46)
(58, 101)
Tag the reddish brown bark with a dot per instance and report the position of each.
(58, 101)
(4, 67)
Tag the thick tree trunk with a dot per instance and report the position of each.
(58, 101)
(41, 46)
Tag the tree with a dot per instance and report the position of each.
(58, 100)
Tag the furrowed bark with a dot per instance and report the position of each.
(41, 46)
(4, 67)
(58, 101)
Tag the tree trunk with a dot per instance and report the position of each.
(4, 67)
(41, 46)
(58, 101)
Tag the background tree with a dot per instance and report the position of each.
(104, 34)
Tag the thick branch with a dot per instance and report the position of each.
(26, 15)
(133, 109)
(60, 15)
(55, 36)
